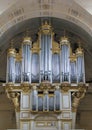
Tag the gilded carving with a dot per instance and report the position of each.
(18, 56)
(64, 40)
(26, 87)
(79, 51)
(65, 87)
(77, 96)
(35, 48)
(55, 47)
(46, 28)
(72, 56)
(27, 40)
(11, 50)
(46, 85)
(9, 86)
(15, 97)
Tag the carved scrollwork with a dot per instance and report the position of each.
(26, 87)
(65, 87)
(46, 85)
(9, 86)
(46, 28)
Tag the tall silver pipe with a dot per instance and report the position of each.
(26, 62)
(80, 65)
(65, 53)
(45, 57)
(11, 65)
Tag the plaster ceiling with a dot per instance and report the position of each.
(5, 4)
(86, 4)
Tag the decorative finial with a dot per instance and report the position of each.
(27, 38)
(79, 50)
(46, 28)
(64, 38)
(11, 50)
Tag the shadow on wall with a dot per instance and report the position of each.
(7, 113)
(84, 114)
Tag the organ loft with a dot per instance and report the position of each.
(45, 81)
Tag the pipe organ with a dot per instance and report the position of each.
(46, 60)
(44, 75)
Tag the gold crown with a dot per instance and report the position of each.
(18, 57)
(46, 28)
(55, 47)
(11, 52)
(27, 39)
(64, 40)
(35, 48)
(79, 51)
(73, 57)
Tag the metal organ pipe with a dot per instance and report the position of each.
(26, 62)
(80, 65)
(45, 36)
(34, 100)
(65, 52)
(18, 67)
(46, 57)
(35, 69)
(55, 62)
(73, 74)
(57, 99)
(11, 65)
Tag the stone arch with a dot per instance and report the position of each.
(24, 10)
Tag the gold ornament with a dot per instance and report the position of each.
(46, 28)
(26, 87)
(77, 96)
(79, 51)
(35, 48)
(45, 85)
(55, 47)
(64, 41)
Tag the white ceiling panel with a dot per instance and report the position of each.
(86, 4)
(5, 4)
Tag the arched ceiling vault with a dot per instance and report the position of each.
(66, 15)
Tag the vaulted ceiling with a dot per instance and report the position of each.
(86, 4)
